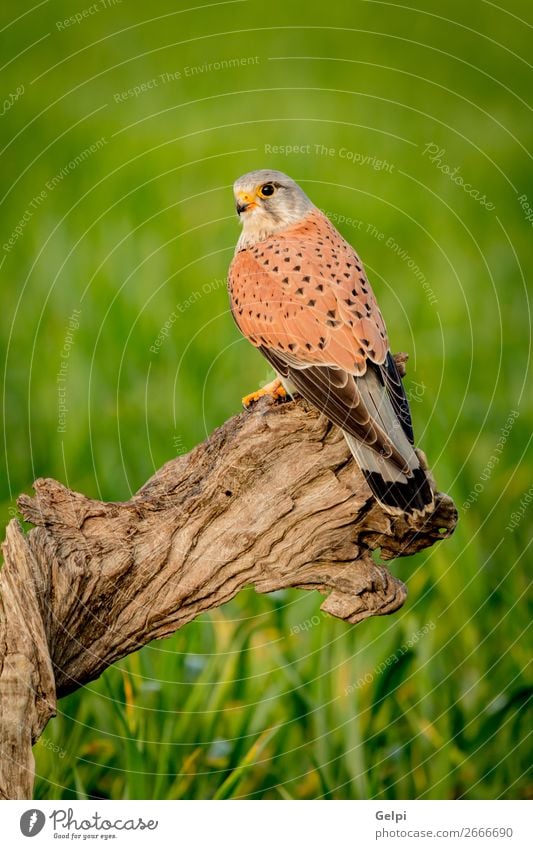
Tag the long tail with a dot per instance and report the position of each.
(397, 492)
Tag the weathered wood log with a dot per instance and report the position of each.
(272, 499)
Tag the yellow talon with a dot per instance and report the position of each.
(274, 389)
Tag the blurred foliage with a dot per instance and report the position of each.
(136, 230)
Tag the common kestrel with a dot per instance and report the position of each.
(299, 293)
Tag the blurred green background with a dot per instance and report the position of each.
(122, 132)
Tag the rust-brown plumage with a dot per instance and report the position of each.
(300, 295)
(304, 290)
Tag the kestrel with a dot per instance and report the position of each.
(299, 293)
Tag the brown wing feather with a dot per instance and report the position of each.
(338, 395)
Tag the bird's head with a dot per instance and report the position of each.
(268, 201)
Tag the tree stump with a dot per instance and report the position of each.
(273, 499)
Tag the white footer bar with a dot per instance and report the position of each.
(269, 824)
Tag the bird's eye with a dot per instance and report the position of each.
(267, 190)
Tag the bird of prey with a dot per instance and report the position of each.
(299, 293)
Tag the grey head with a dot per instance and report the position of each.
(268, 201)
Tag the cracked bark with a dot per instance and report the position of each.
(272, 499)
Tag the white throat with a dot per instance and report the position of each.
(256, 226)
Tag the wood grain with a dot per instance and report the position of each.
(272, 499)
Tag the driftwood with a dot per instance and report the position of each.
(272, 499)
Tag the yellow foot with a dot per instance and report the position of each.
(274, 389)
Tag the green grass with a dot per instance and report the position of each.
(241, 703)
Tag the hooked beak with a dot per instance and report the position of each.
(245, 201)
